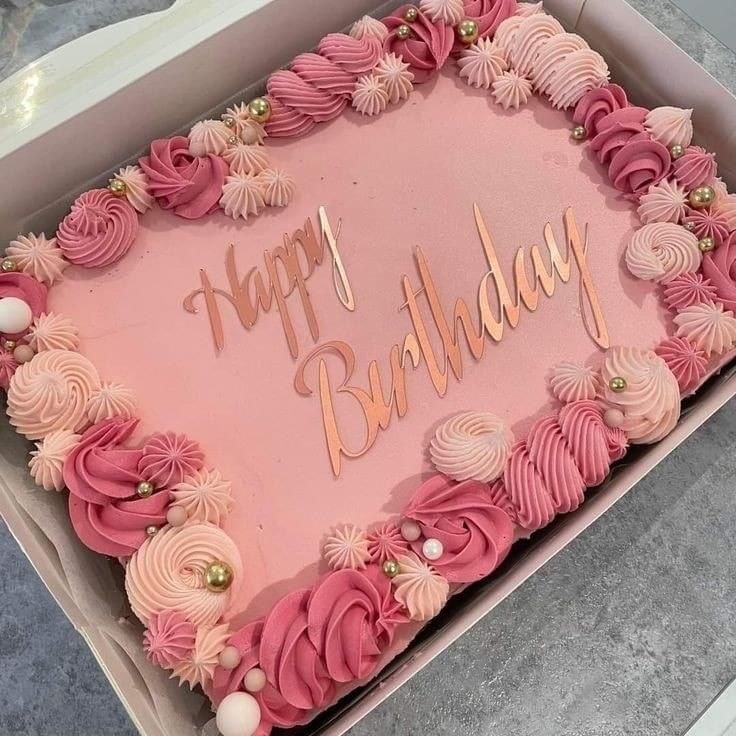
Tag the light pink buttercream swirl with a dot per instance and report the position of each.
(695, 168)
(577, 73)
(661, 251)
(719, 266)
(38, 256)
(51, 392)
(615, 130)
(47, 460)
(475, 534)
(420, 588)
(650, 401)
(688, 289)
(169, 639)
(168, 572)
(24, 287)
(531, 36)
(99, 230)
(638, 164)
(8, 367)
(189, 185)
(670, 125)
(101, 473)
(686, 361)
(663, 202)
(426, 49)
(168, 458)
(563, 455)
(708, 326)
(551, 55)
(595, 104)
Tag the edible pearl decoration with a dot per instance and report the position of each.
(617, 384)
(144, 489)
(8, 265)
(259, 109)
(706, 245)
(410, 530)
(117, 187)
(238, 715)
(467, 31)
(613, 418)
(177, 516)
(432, 549)
(151, 530)
(677, 151)
(23, 354)
(254, 680)
(403, 32)
(411, 14)
(229, 658)
(218, 576)
(702, 197)
(390, 568)
(578, 133)
(15, 315)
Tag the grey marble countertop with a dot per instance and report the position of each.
(630, 630)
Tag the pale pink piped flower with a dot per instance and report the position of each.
(47, 460)
(511, 90)
(277, 186)
(242, 196)
(370, 97)
(110, 400)
(708, 326)
(347, 548)
(38, 256)
(205, 495)
(199, 666)
(53, 332)
(393, 73)
(482, 63)
(136, 188)
(168, 458)
(450, 12)
(419, 588)
(209, 136)
(169, 639)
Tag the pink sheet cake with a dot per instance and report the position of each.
(311, 369)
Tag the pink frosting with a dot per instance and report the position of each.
(708, 223)
(99, 230)
(489, 14)
(323, 74)
(285, 122)
(353, 55)
(427, 48)
(695, 168)
(561, 457)
(167, 458)
(385, 542)
(8, 367)
(352, 617)
(189, 185)
(616, 129)
(638, 164)
(25, 287)
(318, 104)
(687, 289)
(475, 534)
(595, 104)
(719, 266)
(101, 475)
(685, 360)
(169, 639)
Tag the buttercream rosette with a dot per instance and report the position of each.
(595, 104)
(101, 473)
(650, 401)
(687, 362)
(615, 130)
(638, 164)
(662, 251)
(420, 588)
(476, 535)
(189, 185)
(26, 288)
(99, 230)
(38, 256)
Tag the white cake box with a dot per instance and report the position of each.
(72, 116)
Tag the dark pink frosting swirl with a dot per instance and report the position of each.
(352, 617)
(688, 289)
(719, 266)
(548, 472)
(317, 87)
(616, 129)
(189, 185)
(8, 367)
(639, 164)
(489, 14)
(695, 168)
(595, 104)
(476, 534)
(427, 48)
(101, 475)
(687, 362)
(99, 230)
(708, 223)
(25, 287)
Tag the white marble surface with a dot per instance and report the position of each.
(630, 630)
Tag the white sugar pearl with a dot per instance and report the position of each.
(238, 715)
(410, 531)
(254, 680)
(15, 315)
(432, 549)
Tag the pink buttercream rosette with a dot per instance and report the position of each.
(25, 287)
(101, 474)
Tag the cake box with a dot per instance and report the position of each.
(181, 66)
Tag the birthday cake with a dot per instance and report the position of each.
(314, 367)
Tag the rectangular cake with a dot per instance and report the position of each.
(314, 367)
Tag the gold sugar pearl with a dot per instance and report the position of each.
(117, 187)
(702, 197)
(218, 576)
(677, 151)
(467, 31)
(8, 265)
(144, 489)
(9, 345)
(706, 245)
(690, 225)
(403, 32)
(229, 120)
(390, 568)
(233, 140)
(411, 14)
(617, 384)
(579, 133)
(151, 530)
(259, 109)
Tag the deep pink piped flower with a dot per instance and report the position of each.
(169, 639)
(168, 458)
(386, 543)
